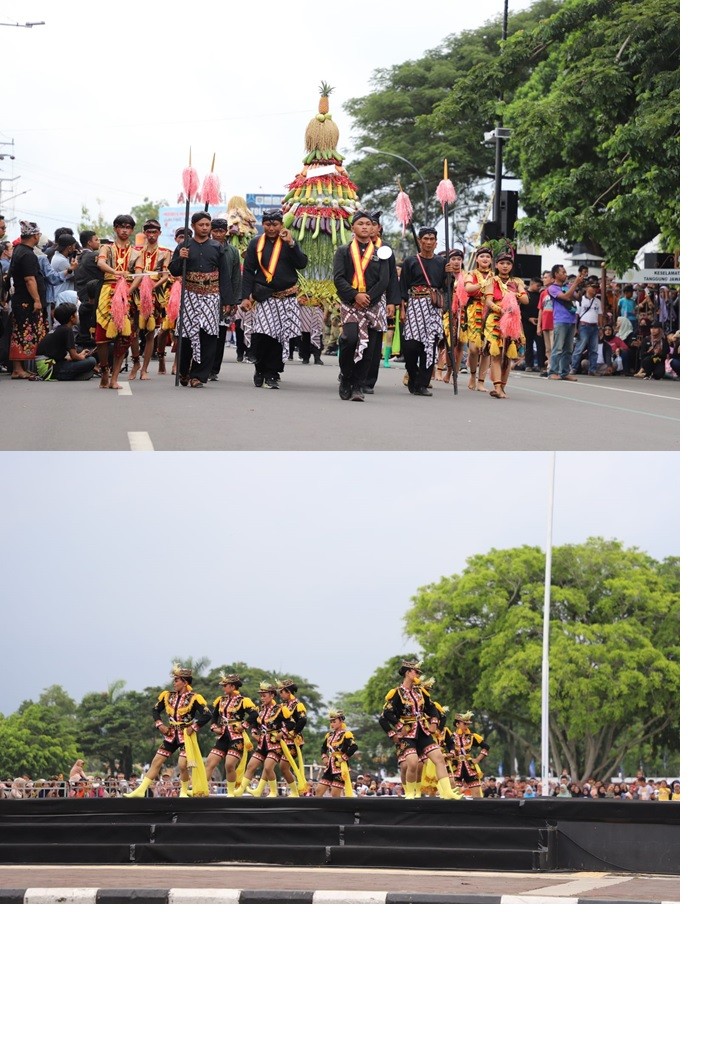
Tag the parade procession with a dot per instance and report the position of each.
(318, 277)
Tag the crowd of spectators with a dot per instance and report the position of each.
(634, 332)
(80, 785)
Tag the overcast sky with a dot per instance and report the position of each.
(111, 115)
(295, 563)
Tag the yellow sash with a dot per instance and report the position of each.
(269, 273)
(291, 761)
(345, 774)
(302, 782)
(195, 763)
(360, 264)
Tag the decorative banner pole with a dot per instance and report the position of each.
(445, 193)
(190, 188)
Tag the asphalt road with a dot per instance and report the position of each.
(306, 413)
(550, 886)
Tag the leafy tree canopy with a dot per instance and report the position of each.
(103, 225)
(614, 650)
(590, 90)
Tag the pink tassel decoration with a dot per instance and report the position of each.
(191, 184)
(404, 209)
(510, 323)
(210, 193)
(445, 193)
(173, 308)
(119, 304)
(461, 294)
(146, 297)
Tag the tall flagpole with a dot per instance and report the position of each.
(546, 630)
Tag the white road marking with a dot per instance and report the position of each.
(140, 441)
(124, 389)
(180, 895)
(61, 895)
(347, 897)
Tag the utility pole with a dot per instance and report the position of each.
(6, 156)
(500, 138)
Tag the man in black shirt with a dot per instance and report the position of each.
(207, 286)
(422, 282)
(270, 285)
(87, 269)
(392, 300)
(28, 301)
(59, 344)
(230, 260)
(361, 279)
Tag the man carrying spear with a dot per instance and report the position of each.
(422, 282)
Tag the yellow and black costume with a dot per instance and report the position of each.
(460, 744)
(184, 711)
(411, 718)
(232, 714)
(337, 748)
(266, 723)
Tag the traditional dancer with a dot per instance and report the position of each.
(412, 719)
(502, 297)
(454, 322)
(186, 712)
(477, 283)
(230, 714)
(459, 744)
(27, 302)
(337, 748)
(295, 717)
(422, 281)
(270, 287)
(361, 276)
(151, 296)
(114, 322)
(266, 731)
(207, 288)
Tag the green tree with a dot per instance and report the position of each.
(614, 651)
(595, 118)
(39, 740)
(398, 117)
(104, 226)
(117, 724)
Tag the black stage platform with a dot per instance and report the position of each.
(483, 835)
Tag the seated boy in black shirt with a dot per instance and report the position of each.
(60, 343)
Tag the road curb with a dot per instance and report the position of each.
(104, 895)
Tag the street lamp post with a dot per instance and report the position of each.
(499, 139)
(384, 152)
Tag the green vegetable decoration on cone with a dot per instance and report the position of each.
(319, 206)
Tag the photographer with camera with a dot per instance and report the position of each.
(564, 295)
(590, 317)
